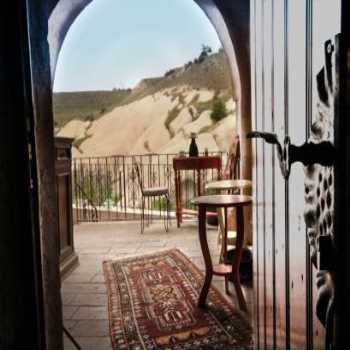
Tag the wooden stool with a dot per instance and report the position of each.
(227, 268)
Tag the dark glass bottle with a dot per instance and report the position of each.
(193, 147)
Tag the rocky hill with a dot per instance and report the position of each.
(157, 116)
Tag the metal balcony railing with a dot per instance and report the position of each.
(106, 188)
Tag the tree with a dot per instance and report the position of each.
(206, 50)
(219, 110)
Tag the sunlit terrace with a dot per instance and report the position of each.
(84, 291)
(107, 200)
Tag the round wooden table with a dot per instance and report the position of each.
(227, 268)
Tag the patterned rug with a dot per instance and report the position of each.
(152, 304)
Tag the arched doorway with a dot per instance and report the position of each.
(118, 41)
(232, 61)
(231, 21)
(34, 72)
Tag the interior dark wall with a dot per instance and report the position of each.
(21, 295)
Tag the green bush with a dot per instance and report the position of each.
(172, 115)
(206, 51)
(219, 110)
(97, 188)
(160, 203)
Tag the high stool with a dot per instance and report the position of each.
(229, 269)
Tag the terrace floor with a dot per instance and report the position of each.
(84, 293)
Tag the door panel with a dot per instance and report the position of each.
(259, 199)
(268, 225)
(279, 183)
(288, 51)
(297, 132)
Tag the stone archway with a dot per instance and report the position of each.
(48, 24)
(233, 32)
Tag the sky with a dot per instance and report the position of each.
(116, 43)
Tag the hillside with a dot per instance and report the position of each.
(86, 105)
(212, 74)
(157, 116)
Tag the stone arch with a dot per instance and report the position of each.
(46, 24)
(231, 22)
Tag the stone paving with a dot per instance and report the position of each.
(83, 292)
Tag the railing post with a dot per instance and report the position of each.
(115, 185)
(89, 177)
(107, 189)
(124, 187)
(75, 197)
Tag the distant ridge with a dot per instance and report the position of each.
(211, 74)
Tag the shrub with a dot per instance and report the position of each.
(191, 111)
(160, 203)
(169, 72)
(219, 110)
(172, 115)
(188, 65)
(89, 118)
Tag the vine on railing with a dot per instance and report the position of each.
(89, 210)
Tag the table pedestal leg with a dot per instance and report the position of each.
(178, 198)
(206, 255)
(237, 258)
(225, 249)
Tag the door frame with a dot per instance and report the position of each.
(230, 20)
(342, 190)
(26, 74)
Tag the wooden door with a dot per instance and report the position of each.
(291, 44)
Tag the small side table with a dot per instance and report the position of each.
(228, 268)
